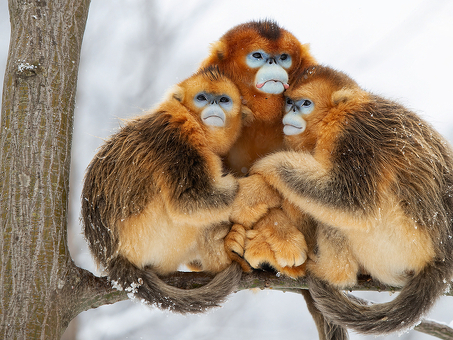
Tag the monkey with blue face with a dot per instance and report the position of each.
(155, 196)
(377, 183)
(261, 58)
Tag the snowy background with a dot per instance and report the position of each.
(134, 50)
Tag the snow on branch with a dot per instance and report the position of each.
(266, 280)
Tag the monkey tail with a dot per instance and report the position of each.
(147, 286)
(326, 329)
(406, 310)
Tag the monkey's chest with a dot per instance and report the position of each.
(255, 142)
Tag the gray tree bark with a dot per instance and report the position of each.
(41, 289)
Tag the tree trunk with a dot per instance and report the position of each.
(35, 147)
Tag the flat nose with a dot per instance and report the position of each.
(271, 61)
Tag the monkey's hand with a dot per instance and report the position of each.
(275, 241)
(235, 245)
(254, 199)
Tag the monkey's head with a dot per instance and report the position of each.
(317, 103)
(215, 102)
(260, 57)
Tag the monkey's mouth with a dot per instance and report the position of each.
(270, 81)
(214, 120)
(291, 130)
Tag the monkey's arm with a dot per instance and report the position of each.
(253, 201)
(201, 194)
(327, 192)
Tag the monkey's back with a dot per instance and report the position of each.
(393, 144)
(151, 153)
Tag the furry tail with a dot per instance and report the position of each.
(414, 300)
(326, 329)
(146, 285)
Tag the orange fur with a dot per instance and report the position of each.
(284, 246)
(378, 181)
(156, 197)
(264, 134)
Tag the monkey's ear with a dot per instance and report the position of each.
(219, 50)
(247, 116)
(342, 96)
(176, 92)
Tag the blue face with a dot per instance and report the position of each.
(214, 108)
(293, 121)
(272, 75)
(259, 58)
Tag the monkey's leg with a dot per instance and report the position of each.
(334, 261)
(213, 256)
(276, 241)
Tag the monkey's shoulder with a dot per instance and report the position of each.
(176, 145)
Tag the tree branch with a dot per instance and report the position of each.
(103, 293)
(436, 329)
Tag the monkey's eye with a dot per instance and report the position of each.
(289, 105)
(285, 60)
(256, 58)
(257, 55)
(201, 98)
(306, 106)
(224, 100)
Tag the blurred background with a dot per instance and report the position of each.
(134, 50)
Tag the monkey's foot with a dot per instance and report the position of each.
(293, 272)
(235, 245)
(290, 251)
(277, 232)
(265, 249)
(340, 274)
(258, 252)
(261, 256)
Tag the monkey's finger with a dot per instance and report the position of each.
(235, 240)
